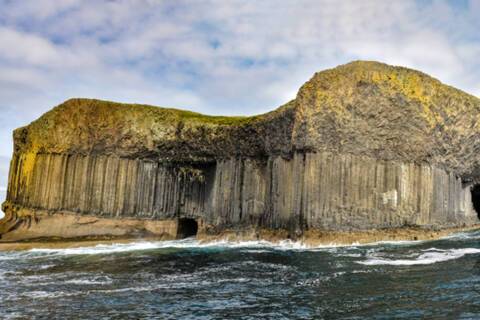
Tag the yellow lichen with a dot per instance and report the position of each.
(334, 89)
(28, 165)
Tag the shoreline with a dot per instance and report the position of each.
(311, 238)
(315, 238)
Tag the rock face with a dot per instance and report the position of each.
(363, 146)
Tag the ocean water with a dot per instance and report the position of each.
(250, 280)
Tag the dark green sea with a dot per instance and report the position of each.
(251, 280)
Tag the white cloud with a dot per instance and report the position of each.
(30, 49)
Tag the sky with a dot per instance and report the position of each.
(215, 57)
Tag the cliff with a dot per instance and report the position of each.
(363, 146)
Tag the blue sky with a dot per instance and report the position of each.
(217, 57)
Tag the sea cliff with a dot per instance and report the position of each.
(364, 146)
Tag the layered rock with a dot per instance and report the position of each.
(363, 146)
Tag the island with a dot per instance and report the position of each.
(365, 152)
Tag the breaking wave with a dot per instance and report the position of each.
(253, 246)
(428, 256)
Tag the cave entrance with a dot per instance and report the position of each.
(187, 228)
(476, 198)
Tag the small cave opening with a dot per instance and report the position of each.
(476, 198)
(187, 227)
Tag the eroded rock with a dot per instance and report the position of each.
(363, 146)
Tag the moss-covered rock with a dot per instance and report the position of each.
(87, 126)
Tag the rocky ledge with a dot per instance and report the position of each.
(364, 146)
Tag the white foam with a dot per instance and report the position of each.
(429, 256)
(94, 281)
(192, 243)
(100, 249)
(39, 294)
(468, 235)
(396, 243)
(186, 243)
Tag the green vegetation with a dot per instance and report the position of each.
(160, 113)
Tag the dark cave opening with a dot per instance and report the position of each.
(187, 228)
(476, 198)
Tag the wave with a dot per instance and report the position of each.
(101, 248)
(254, 246)
(185, 243)
(191, 243)
(258, 246)
(396, 243)
(466, 235)
(429, 256)
(93, 281)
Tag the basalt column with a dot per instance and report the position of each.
(311, 190)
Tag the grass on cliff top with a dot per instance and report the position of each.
(223, 120)
(159, 112)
